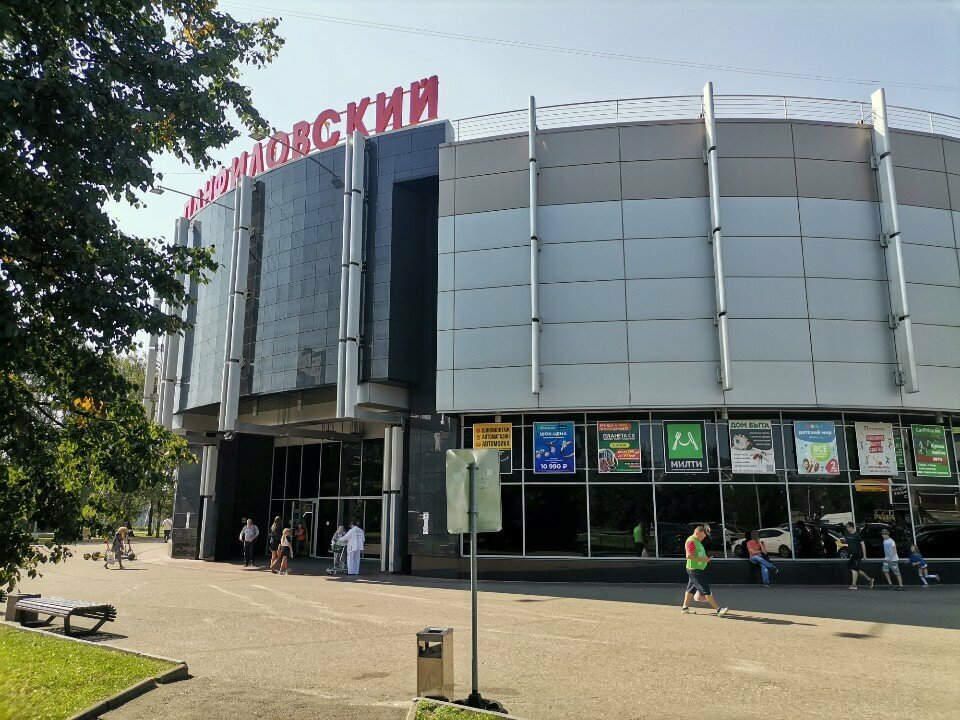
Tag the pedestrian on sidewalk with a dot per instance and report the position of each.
(166, 526)
(248, 536)
(857, 549)
(916, 559)
(285, 553)
(354, 539)
(758, 557)
(638, 539)
(116, 547)
(891, 561)
(697, 561)
(273, 539)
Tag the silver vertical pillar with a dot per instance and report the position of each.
(208, 482)
(171, 346)
(392, 495)
(344, 273)
(534, 255)
(236, 305)
(716, 236)
(900, 322)
(386, 518)
(150, 373)
(352, 354)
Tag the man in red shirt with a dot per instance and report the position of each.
(757, 558)
(697, 561)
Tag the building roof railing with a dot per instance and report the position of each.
(690, 107)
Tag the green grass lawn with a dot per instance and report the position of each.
(46, 678)
(427, 710)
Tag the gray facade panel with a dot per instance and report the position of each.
(772, 340)
(582, 301)
(445, 310)
(856, 385)
(578, 183)
(492, 192)
(951, 154)
(953, 185)
(760, 216)
(445, 234)
(491, 307)
(674, 384)
(937, 345)
(772, 384)
(754, 140)
(575, 343)
(939, 389)
(492, 156)
(668, 257)
(446, 207)
(848, 299)
(586, 386)
(828, 142)
(492, 347)
(757, 177)
(445, 391)
(762, 257)
(921, 187)
(926, 226)
(445, 350)
(821, 217)
(852, 341)
(579, 221)
(931, 265)
(841, 258)
(678, 340)
(766, 298)
(581, 262)
(492, 268)
(655, 179)
(493, 389)
(836, 180)
(663, 142)
(934, 304)
(682, 299)
(494, 229)
(917, 151)
(680, 217)
(577, 147)
(445, 272)
(448, 163)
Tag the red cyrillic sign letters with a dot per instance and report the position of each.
(321, 134)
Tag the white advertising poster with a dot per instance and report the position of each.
(876, 449)
(751, 447)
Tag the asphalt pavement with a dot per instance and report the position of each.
(311, 646)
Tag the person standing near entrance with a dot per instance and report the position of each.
(638, 539)
(697, 561)
(301, 537)
(857, 549)
(248, 536)
(273, 539)
(354, 540)
(757, 557)
(166, 526)
(284, 554)
(891, 561)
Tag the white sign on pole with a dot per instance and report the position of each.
(489, 516)
(876, 449)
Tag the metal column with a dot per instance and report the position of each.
(208, 482)
(344, 273)
(900, 322)
(351, 367)
(171, 345)
(392, 492)
(150, 374)
(236, 305)
(716, 236)
(535, 382)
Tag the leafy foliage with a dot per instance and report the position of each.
(90, 91)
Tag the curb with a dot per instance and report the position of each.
(412, 713)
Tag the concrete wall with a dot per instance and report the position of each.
(626, 273)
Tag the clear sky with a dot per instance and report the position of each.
(326, 64)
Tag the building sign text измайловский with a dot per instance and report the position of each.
(318, 135)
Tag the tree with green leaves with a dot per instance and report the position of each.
(90, 92)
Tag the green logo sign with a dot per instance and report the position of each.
(930, 450)
(683, 444)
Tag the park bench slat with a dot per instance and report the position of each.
(66, 608)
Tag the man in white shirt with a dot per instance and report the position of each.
(248, 537)
(891, 561)
(354, 541)
(166, 526)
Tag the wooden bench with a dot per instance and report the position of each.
(66, 609)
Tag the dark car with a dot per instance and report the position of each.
(939, 540)
(871, 534)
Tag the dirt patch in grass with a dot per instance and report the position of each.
(47, 678)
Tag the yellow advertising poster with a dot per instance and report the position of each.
(498, 436)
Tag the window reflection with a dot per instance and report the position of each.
(509, 541)
(556, 519)
(616, 514)
(756, 507)
(680, 508)
(936, 512)
(819, 513)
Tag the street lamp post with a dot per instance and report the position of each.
(336, 180)
(160, 189)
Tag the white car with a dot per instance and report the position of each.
(774, 541)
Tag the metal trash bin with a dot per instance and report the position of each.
(11, 613)
(435, 663)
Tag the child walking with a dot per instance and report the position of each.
(916, 559)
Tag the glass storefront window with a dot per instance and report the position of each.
(936, 513)
(819, 513)
(372, 467)
(294, 455)
(310, 475)
(680, 508)
(756, 507)
(350, 469)
(615, 513)
(556, 519)
(279, 472)
(330, 469)
(509, 541)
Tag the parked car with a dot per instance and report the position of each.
(937, 540)
(870, 533)
(774, 541)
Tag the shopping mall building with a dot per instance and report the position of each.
(735, 310)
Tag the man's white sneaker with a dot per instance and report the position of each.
(685, 609)
(722, 611)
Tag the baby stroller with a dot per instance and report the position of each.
(339, 566)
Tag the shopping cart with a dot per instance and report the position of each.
(339, 566)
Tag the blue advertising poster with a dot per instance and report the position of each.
(554, 449)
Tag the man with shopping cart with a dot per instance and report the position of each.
(354, 540)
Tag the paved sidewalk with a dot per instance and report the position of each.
(316, 647)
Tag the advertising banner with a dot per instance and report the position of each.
(898, 444)
(487, 477)
(876, 448)
(930, 450)
(751, 447)
(554, 448)
(683, 447)
(619, 447)
(496, 436)
(816, 444)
